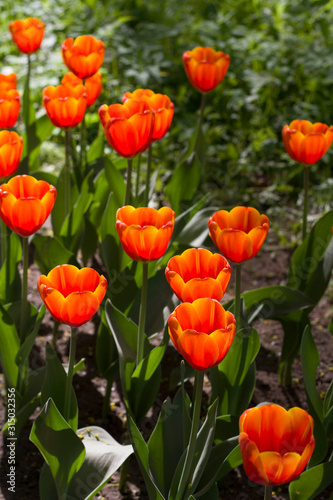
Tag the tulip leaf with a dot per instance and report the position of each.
(104, 455)
(15, 309)
(227, 426)
(61, 448)
(9, 347)
(184, 182)
(96, 148)
(312, 262)
(10, 280)
(330, 327)
(218, 455)
(25, 348)
(142, 455)
(233, 379)
(58, 214)
(328, 400)
(50, 252)
(72, 229)
(311, 482)
(116, 182)
(54, 386)
(272, 301)
(106, 350)
(211, 494)
(165, 453)
(233, 460)
(37, 132)
(196, 230)
(310, 361)
(100, 198)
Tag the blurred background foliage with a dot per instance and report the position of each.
(281, 69)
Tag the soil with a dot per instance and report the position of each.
(269, 267)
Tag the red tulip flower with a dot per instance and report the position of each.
(198, 273)
(72, 295)
(9, 107)
(93, 85)
(27, 34)
(8, 82)
(240, 233)
(306, 142)
(202, 332)
(145, 232)
(83, 56)
(205, 68)
(275, 444)
(65, 105)
(161, 106)
(26, 203)
(128, 127)
(11, 147)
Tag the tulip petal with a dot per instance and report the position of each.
(78, 308)
(235, 245)
(199, 349)
(313, 147)
(252, 462)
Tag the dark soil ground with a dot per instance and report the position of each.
(268, 268)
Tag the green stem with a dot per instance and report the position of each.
(67, 174)
(71, 361)
(83, 155)
(55, 335)
(142, 315)
(146, 198)
(238, 270)
(200, 121)
(128, 182)
(24, 302)
(106, 401)
(268, 492)
(306, 195)
(3, 235)
(27, 110)
(137, 184)
(184, 480)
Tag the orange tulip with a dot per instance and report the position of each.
(128, 127)
(240, 233)
(72, 295)
(205, 68)
(161, 106)
(145, 232)
(65, 105)
(26, 203)
(9, 107)
(306, 142)
(8, 82)
(202, 332)
(11, 147)
(275, 444)
(84, 55)
(27, 34)
(198, 273)
(93, 85)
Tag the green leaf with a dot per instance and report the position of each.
(311, 482)
(311, 265)
(25, 348)
(38, 131)
(165, 453)
(233, 460)
(61, 448)
(72, 229)
(142, 455)
(100, 199)
(58, 214)
(50, 252)
(215, 463)
(10, 280)
(55, 386)
(104, 455)
(227, 426)
(89, 241)
(110, 247)
(330, 327)
(96, 148)
(106, 351)
(230, 376)
(116, 182)
(272, 301)
(310, 361)
(196, 230)
(184, 182)
(9, 347)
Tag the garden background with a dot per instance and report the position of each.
(280, 70)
